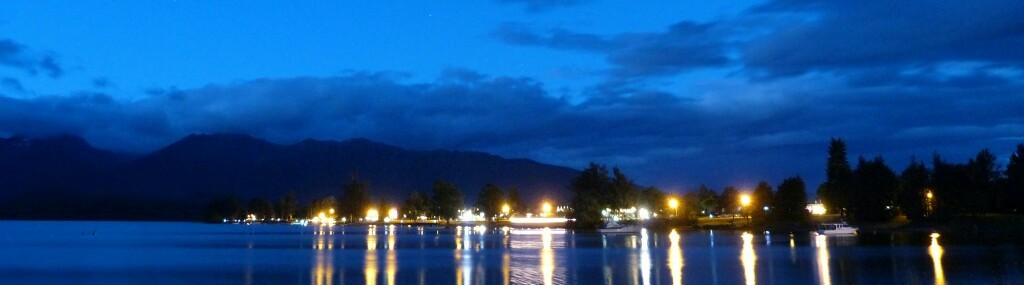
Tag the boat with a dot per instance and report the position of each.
(611, 227)
(840, 228)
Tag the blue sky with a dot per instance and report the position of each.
(676, 93)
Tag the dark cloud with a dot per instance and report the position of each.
(733, 133)
(867, 42)
(836, 36)
(682, 47)
(534, 6)
(12, 85)
(101, 82)
(18, 56)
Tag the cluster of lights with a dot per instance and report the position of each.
(632, 213)
(816, 209)
(324, 219)
(469, 216)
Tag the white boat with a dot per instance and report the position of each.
(611, 227)
(840, 228)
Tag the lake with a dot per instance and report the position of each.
(194, 253)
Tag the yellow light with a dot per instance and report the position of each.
(322, 215)
(393, 214)
(929, 194)
(546, 208)
(332, 211)
(372, 215)
(817, 209)
(506, 209)
(673, 203)
(745, 200)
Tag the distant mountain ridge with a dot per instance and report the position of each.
(66, 178)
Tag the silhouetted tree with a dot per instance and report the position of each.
(951, 183)
(589, 191)
(447, 200)
(729, 201)
(222, 208)
(835, 192)
(355, 199)
(708, 200)
(653, 199)
(1014, 185)
(514, 201)
(416, 205)
(791, 201)
(691, 205)
(983, 174)
(622, 194)
(490, 201)
(261, 208)
(762, 197)
(874, 188)
(287, 206)
(913, 186)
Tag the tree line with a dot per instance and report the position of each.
(873, 192)
(444, 202)
(596, 190)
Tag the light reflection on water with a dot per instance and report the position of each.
(323, 269)
(747, 257)
(821, 243)
(935, 251)
(675, 258)
(270, 254)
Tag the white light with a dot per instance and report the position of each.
(468, 216)
(644, 214)
(393, 214)
(530, 220)
(372, 215)
(816, 209)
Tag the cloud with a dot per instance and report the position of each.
(910, 43)
(12, 85)
(836, 36)
(534, 6)
(682, 47)
(733, 132)
(18, 56)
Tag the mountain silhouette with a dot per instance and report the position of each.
(66, 178)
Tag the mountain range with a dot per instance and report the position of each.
(64, 177)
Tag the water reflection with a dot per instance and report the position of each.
(645, 258)
(821, 243)
(391, 261)
(675, 258)
(323, 269)
(370, 259)
(747, 257)
(935, 250)
(547, 257)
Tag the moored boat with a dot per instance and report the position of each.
(611, 227)
(840, 228)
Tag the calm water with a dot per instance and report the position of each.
(191, 253)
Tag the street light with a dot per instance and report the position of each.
(673, 204)
(929, 205)
(744, 202)
(505, 209)
(546, 209)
